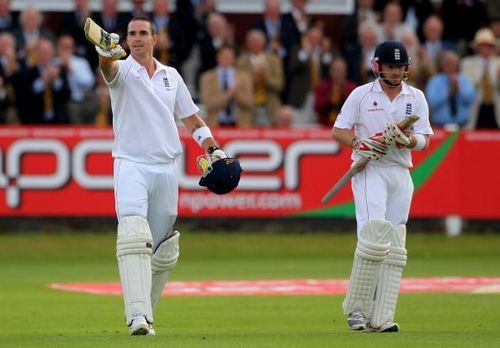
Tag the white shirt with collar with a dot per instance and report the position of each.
(368, 109)
(144, 112)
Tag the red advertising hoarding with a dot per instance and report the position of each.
(67, 171)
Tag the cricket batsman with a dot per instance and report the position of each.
(368, 123)
(146, 98)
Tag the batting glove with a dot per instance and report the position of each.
(394, 136)
(216, 153)
(115, 51)
(371, 148)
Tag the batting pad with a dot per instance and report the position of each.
(384, 305)
(371, 250)
(133, 251)
(162, 262)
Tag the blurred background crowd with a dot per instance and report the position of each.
(280, 68)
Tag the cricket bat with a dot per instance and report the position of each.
(98, 36)
(361, 163)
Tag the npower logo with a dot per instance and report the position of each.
(260, 159)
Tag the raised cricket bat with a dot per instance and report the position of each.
(97, 35)
(361, 163)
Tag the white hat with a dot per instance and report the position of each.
(484, 36)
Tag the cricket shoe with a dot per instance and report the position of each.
(139, 326)
(388, 326)
(357, 321)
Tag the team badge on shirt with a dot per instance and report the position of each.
(166, 83)
(408, 109)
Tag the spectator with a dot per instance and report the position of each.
(310, 63)
(450, 94)
(392, 22)
(226, 92)
(219, 33)
(48, 88)
(272, 27)
(8, 19)
(351, 24)
(483, 68)
(299, 18)
(82, 106)
(359, 56)
(267, 78)
(72, 24)
(415, 13)
(295, 24)
(332, 92)
(173, 47)
(28, 34)
(433, 45)
(111, 20)
(137, 8)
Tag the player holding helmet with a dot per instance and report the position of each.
(146, 97)
(383, 190)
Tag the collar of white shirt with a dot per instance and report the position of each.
(138, 67)
(378, 88)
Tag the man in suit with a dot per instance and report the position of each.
(227, 93)
(310, 63)
(267, 77)
(483, 68)
(48, 86)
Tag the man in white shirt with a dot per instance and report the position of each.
(368, 122)
(146, 97)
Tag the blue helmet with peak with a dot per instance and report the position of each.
(223, 177)
(391, 52)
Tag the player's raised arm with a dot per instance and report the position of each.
(107, 46)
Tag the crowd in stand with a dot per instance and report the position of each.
(285, 73)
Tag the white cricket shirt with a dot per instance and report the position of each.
(368, 109)
(144, 111)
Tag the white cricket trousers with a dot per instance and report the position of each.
(150, 191)
(382, 193)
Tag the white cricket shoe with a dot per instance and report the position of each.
(139, 326)
(357, 321)
(388, 326)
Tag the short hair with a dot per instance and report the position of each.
(145, 19)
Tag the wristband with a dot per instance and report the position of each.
(421, 141)
(201, 134)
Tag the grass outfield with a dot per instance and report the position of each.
(35, 316)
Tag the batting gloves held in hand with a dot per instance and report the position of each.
(371, 147)
(394, 136)
(115, 51)
(204, 162)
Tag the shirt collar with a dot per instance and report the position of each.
(137, 67)
(378, 88)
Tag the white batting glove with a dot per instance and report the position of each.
(394, 136)
(114, 54)
(371, 148)
(216, 153)
(114, 51)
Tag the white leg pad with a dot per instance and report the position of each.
(133, 251)
(163, 261)
(391, 272)
(372, 248)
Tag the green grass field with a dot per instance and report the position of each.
(32, 315)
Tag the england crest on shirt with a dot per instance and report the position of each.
(408, 109)
(166, 83)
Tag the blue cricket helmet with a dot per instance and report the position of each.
(224, 176)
